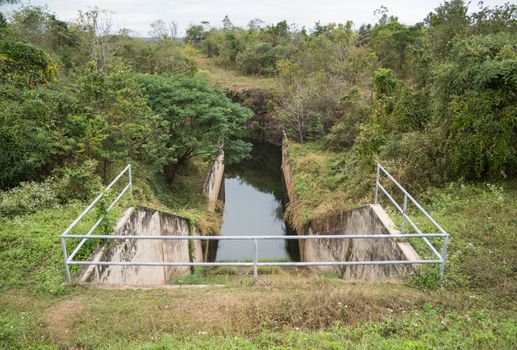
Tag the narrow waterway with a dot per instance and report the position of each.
(255, 196)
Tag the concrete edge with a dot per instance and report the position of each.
(213, 181)
(85, 272)
(405, 247)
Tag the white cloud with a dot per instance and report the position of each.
(137, 14)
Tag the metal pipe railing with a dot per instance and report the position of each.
(255, 263)
(65, 234)
(249, 238)
(419, 207)
(433, 249)
(68, 259)
(255, 238)
(96, 224)
(405, 217)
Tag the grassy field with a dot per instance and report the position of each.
(281, 311)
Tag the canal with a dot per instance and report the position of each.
(255, 198)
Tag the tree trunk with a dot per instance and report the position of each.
(170, 169)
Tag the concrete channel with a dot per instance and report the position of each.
(368, 219)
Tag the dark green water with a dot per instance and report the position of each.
(255, 197)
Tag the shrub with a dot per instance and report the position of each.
(258, 59)
(28, 198)
(79, 183)
(385, 81)
(25, 65)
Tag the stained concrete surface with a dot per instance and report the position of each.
(142, 221)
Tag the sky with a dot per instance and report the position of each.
(137, 15)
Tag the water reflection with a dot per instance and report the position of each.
(254, 200)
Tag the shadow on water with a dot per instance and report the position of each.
(255, 199)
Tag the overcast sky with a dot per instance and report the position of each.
(138, 14)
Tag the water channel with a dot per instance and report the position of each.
(255, 197)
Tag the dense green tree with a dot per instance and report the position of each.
(194, 34)
(35, 25)
(447, 22)
(393, 41)
(199, 119)
(476, 92)
(258, 59)
(24, 65)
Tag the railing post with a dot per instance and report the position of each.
(404, 210)
(130, 184)
(65, 258)
(255, 267)
(444, 256)
(376, 200)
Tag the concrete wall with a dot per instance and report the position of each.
(141, 221)
(369, 219)
(292, 206)
(145, 221)
(214, 180)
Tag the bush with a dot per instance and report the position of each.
(385, 81)
(258, 59)
(79, 183)
(344, 133)
(25, 65)
(28, 198)
(475, 95)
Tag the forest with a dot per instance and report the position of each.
(435, 99)
(78, 101)
(435, 102)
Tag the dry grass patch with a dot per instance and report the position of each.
(276, 303)
(232, 80)
(60, 317)
(93, 318)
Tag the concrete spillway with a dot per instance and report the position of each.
(144, 221)
(369, 219)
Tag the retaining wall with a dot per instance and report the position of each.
(142, 221)
(214, 181)
(145, 221)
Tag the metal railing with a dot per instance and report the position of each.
(405, 217)
(68, 260)
(66, 234)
